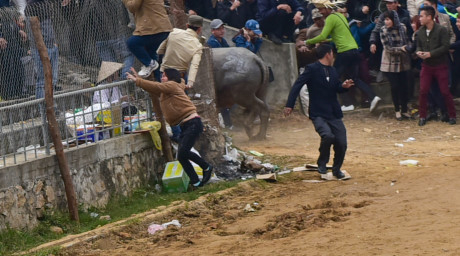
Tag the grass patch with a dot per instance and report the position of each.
(12, 241)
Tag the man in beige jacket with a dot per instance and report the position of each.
(182, 49)
(152, 27)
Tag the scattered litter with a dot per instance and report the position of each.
(56, 230)
(173, 222)
(409, 162)
(284, 172)
(93, 215)
(392, 184)
(255, 203)
(448, 133)
(299, 169)
(397, 191)
(249, 208)
(153, 228)
(28, 148)
(267, 177)
(253, 152)
(231, 156)
(313, 181)
(410, 139)
(105, 217)
(367, 130)
(158, 188)
(399, 145)
(330, 176)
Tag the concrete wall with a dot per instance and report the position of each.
(100, 171)
(282, 59)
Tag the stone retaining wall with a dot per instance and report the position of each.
(99, 172)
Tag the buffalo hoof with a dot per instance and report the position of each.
(258, 137)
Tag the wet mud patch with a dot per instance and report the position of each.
(305, 218)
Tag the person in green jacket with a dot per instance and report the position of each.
(347, 60)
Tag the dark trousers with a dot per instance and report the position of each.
(441, 74)
(281, 24)
(347, 65)
(399, 91)
(191, 130)
(145, 47)
(332, 132)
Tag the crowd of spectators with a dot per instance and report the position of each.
(371, 39)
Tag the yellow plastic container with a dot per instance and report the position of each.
(175, 179)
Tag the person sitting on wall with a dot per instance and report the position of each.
(279, 19)
(249, 37)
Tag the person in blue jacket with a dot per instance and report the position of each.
(279, 19)
(323, 84)
(250, 37)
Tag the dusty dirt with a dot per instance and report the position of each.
(385, 209)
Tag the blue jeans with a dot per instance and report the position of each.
(145, 47)
(191, 130)
(115, 50)
(53, 54)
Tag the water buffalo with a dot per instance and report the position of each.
(241, 77)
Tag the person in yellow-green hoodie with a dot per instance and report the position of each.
(347, 60)
(178, 109)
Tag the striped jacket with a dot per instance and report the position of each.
(394, 59)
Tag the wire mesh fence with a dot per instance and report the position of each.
(80, 35)
(85, 116)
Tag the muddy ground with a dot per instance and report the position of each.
(385, 209)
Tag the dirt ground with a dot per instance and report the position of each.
(385, 209)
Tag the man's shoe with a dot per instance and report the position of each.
(421, 122)
(375, 103)
(347, 108)
(445, 118)
(452, 121)
(206, 175)
(339, 175)
(147, 70)
(324, 176)
(398, 115)
(274, 39)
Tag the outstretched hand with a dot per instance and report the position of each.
(287, 111)
(133, 77)
(348, 83)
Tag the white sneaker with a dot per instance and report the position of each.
(146, 71)
(324, 176)
(348, 108)
(374, 103)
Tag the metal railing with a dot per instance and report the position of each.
(84, 117)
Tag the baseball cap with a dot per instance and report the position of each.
(195, 21)
(216, 23)
(254, 26)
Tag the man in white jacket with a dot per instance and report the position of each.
(413, 6)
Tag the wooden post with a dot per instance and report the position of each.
(165, 141)
(52, 123)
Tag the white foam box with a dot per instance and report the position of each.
(175, 179)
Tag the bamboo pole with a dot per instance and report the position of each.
(165, 141)
(52, 123)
